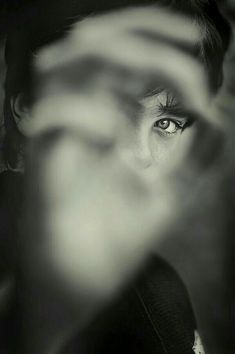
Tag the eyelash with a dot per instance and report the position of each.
(179, 125)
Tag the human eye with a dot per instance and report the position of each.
(169, 126)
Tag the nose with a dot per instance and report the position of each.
(139, 160)
(134, 147)
(142, 162)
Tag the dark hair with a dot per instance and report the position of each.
(30, 26)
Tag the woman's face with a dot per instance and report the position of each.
(159, 136)
(156, 136)
(157, 133)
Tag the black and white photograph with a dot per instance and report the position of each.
(117, 176)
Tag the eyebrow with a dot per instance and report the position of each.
(172, 106)
(175, 110)
(178, 112)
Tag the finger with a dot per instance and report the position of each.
(99, 29)
(140, 58)
(93, 119)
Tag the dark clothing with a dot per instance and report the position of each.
(154, 316)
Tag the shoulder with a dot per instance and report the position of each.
(166, 302)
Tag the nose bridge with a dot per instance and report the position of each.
(142, 150)
(142, 159)
(137, 152)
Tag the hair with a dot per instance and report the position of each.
(30, 26)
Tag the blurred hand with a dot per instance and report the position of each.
(94, 217)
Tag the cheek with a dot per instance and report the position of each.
(168, 152)
(163, 148)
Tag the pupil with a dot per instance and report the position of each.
(164, 124)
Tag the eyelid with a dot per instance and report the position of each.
(181, 122)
